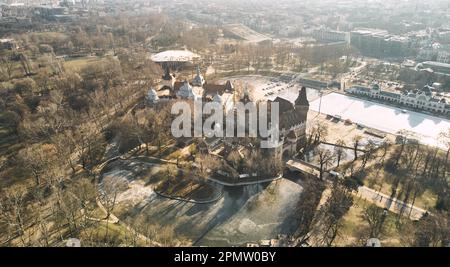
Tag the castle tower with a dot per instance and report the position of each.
(198, 79)
(302, 103)
(229, 87)
(301, 110)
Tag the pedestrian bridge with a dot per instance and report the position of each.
(303, 167)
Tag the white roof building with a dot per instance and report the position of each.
(175, 56)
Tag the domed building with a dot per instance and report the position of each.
(176, 59)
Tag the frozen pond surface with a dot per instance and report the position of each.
(244, 214)
(263, 216)
(382, 117)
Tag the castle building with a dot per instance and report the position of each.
(292, 115)
(292, 122)
(197, 88)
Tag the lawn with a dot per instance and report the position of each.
(184, 187)
(353, 225)
(80, 63)
(383, 183)
(47, 37)
(117, 235)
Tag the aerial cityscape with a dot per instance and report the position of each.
(209, 123)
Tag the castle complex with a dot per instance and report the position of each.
(292, 116)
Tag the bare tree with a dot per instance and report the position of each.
(339, 150)
(374, 217)
(356, 140)
(14, 212)
(432, 231)
(444, 138)
(326, 158)
(8, 66)
(306, 210)
(316, 132)
(329, 220)
(38, 158)
(110, 189)
(207, 164)
(370, 149)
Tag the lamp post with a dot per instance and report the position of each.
(320, 102)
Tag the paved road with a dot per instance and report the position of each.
(375, 197)
(394, 205)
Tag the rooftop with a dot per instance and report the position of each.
(437, 64)
(175, 56)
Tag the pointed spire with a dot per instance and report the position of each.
(302, 99)
(198, 79)
(229, 86)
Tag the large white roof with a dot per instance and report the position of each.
(174, 56)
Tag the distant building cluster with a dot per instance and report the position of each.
(243, 32)
(436, 67)
(422, 99)
(328, 35)
(377, 42)
(8, 44)
(434, 45)
(21, 16)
